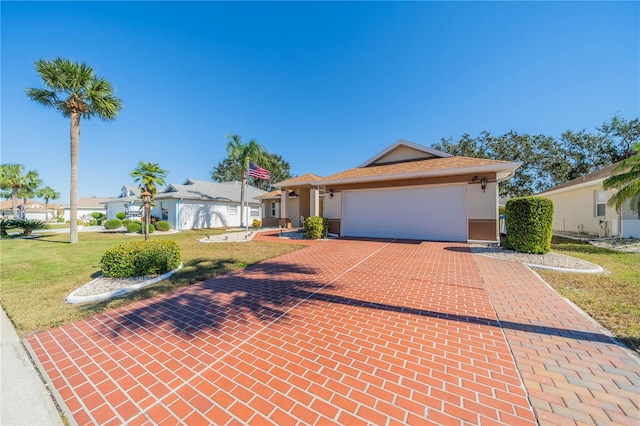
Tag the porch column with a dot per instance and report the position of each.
(314, 202)
(284, 200)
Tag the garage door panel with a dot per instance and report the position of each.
(429, 213)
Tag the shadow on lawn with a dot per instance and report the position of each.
(263, 294)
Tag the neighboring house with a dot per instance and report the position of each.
(406, 191)
(86, 206)
(128, 201)
(198, 204)
(33, 210)
(580, 206)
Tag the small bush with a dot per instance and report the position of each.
(151, 228)
(133, 226)
(99, 217)
(315, 227)
(113, 224)
(529, 225)
(162, 225)
(140, 258)
(121, 215)
(29, 225)
(256, 223)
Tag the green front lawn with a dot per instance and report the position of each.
(613, 297)
(38, 274)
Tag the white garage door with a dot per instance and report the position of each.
(436, 213)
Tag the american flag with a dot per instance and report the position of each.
(258, 172)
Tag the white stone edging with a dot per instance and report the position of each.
(73, 299)
(598, 269)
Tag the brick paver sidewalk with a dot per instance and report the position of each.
(574, 373)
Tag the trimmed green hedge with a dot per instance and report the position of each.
(529, 224)
(162, 225)
(133, 226)
(315, 227)
(113, 224)
(140, 258)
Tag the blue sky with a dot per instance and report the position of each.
(324, 84)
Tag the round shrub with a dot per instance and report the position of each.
(315, 226)
(121, 215)
(256, 223)
(529, 224)
(113, 224)
(151, 228)
(134, 226)
(140, 258)
(162, 225)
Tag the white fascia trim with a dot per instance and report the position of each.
(431, 173)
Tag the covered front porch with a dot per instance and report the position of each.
(295, 200)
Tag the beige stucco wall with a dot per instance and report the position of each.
(333, 205)
(575, 211)
(482, 205)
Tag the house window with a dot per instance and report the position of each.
(255, 211)
(233, 209)
(601, 203)
(273, 209)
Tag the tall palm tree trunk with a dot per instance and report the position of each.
(73, 202)
(14, 202)
(46, 210)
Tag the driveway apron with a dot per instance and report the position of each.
(341, 332)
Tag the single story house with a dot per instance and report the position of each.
(86, 206)
(34, 210)
(406, 191)
(198, 204)
(580, 206)
(128, 201)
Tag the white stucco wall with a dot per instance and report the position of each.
(186, 214)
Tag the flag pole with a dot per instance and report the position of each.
(245, 212)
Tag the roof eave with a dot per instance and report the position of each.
(487, 168)
(581, 185)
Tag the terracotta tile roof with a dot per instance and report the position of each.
(603, 173)
(446, 164)
(273, 194)
(300, 180)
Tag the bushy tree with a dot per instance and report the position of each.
(547, 160)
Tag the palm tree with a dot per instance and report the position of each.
(28, 189)
(239, 153)
(76, 92)
(13, 179)
(148, 175)
(627, 181)
(47, 193)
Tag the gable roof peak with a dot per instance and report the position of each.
(403, 150)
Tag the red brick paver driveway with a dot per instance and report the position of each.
(346, 332)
